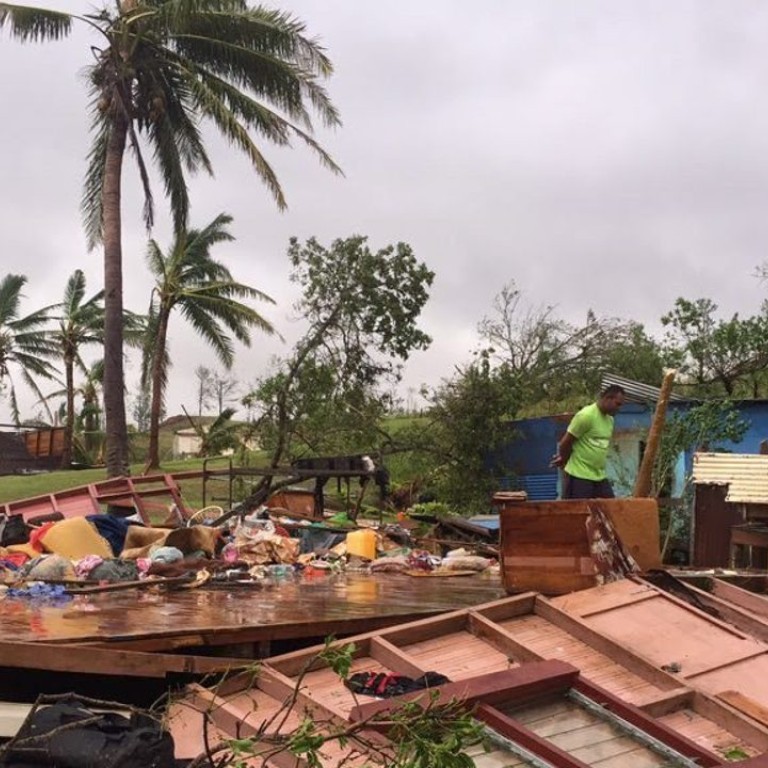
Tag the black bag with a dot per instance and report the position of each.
(104, 740)
(14, 531)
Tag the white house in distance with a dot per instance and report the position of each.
(186, 443)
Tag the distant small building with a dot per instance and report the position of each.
(186, 443)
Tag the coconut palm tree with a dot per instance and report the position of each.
(24, 343)
(80, 322)
(203, 290)
(160, 67)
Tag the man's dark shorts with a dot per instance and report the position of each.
(578, 488)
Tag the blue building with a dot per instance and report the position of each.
(533, 442)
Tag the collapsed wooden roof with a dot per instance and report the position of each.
(691, 680)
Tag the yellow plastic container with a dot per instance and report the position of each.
(362, 544)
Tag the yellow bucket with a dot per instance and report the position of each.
(362, 544)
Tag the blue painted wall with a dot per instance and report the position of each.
(534, 441)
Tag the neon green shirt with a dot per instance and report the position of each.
(593, 430)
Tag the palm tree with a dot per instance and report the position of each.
(24, 342)
(80, 322)
(160, 66)
(204, 291)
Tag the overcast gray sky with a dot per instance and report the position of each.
(609, 155)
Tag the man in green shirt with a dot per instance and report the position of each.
(582, 452)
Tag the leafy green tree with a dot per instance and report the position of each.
(80, 322)
(362, 309)
(718, 356)
(204, 292)
(468, 424)
(161, 68)
(703, 427)
(556, 364)
(25, 344)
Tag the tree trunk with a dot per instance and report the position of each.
(644, 479)
(157, 376)
(114, 380)
(69, 424)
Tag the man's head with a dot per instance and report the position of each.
(611, 399)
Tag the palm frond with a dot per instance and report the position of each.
(91, 204)
(35, 24)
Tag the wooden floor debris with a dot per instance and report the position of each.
(547, 546)
(293, 607)
(583, 679)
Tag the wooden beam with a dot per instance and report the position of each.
(509, 686)
(393, 658)
(630, 660)
(742, 598)
(509, 607)
(669, 701)
(510, 729)
(99, 661)
(745, 705)
(654, 728)
(643, 481)
(731, 720)
(499, 638)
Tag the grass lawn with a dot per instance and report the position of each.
(14, 487)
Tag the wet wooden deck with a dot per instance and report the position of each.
(293, 607)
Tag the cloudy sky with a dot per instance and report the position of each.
(608, 155)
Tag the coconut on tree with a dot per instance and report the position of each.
(189, 280)
(162, 68)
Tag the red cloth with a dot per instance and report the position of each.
(37, 533)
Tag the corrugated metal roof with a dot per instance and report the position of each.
(635, 390)
(745, 474)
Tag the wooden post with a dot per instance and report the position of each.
(645, 474)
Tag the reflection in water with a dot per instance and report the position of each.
(293, 601)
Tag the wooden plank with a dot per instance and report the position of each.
(508, 607)
(742, 598)
(501, 639)
(731, 720)
(394, 658)
(535, 679)
(669, 701)
(631, 660)
(636, 717)
(294, 663)
(107, 662)
(510, 729)
(232, 721)
(746, 705)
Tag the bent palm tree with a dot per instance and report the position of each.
(80, 322)
(161, 66)
(203, 290)
(24, 342)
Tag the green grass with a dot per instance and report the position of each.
(13, 487)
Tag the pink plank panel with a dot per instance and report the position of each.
(747, 677)
(552, 642)
(458, 656)
(667, 633)
(607, 597)
(707, 733)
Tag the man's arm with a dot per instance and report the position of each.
(564, 448)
